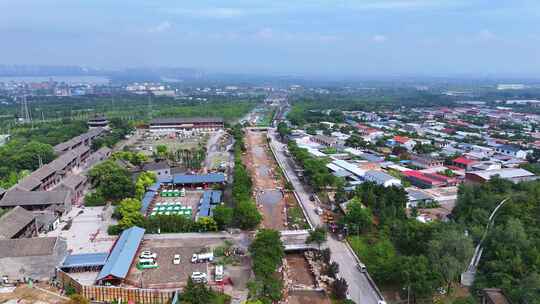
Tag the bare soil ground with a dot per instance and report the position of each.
(267, 180)
(308, 297)
(25, 294)
(299, 272)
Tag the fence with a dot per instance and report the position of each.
(113, 293)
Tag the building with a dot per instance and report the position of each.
(515, 175)
(381, 178)
(31, 258)
(327, 141)
(493, 296)
(464, 163)
(121, 257)
(173, 125)
(18, 223)
(429, 180)
(401, 141)
(58, 202)
(85, 139)
(511, 150)
(98, 121)
(161, 169)
(426, 161)
(198, 180)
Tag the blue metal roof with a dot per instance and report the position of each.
(199, 179)
(155, 187)
(85, 260)
(122, 254)
(147, 200)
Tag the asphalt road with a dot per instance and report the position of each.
(360, 289)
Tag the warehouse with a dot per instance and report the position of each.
(122, 255)
(173, 125)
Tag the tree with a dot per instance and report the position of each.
(283, 130)
(113, 181)
(332, 269)
(246, 215)
(267, 251)
(355, 141)
(144, 180)
(418, 277)
(449, 253)
(223, 216)
(339, 288)
(205, 224)
(357, 217)
(317, 236)
(161, 151)
(196, 293)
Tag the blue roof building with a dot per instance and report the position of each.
(147, 200)
(121, 256)
(84, 260)
(197, 179)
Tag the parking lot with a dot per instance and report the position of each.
(168, 275)
(148, 142)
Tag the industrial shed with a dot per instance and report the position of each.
(121, 257)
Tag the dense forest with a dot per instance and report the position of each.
(511, 256)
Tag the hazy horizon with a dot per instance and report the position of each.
(305, 38)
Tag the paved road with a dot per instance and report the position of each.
(360, 289)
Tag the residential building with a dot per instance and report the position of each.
(512, 174)
(57, 201)
(429, 180)
(401, 141)
(327, 141)
(464, 163)
(162, 169)
(173, 125)
(18, 223)
(382, 179)
(425, 161)
(511, 150)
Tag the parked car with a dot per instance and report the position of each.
(176, 259)
(199, 277)
(148, 255)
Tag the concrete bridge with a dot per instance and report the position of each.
(295, 240)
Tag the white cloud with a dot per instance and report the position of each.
(160, 28)
(212, 12)
(379, 38)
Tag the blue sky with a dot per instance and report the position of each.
(317, 37)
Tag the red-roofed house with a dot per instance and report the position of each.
(402, 141)
(464, 163)
(429, 180)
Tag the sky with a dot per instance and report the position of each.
(289, 37)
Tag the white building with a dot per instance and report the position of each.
(381, 178)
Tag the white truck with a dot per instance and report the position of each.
(202, 257)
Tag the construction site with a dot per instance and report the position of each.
(272, 199)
